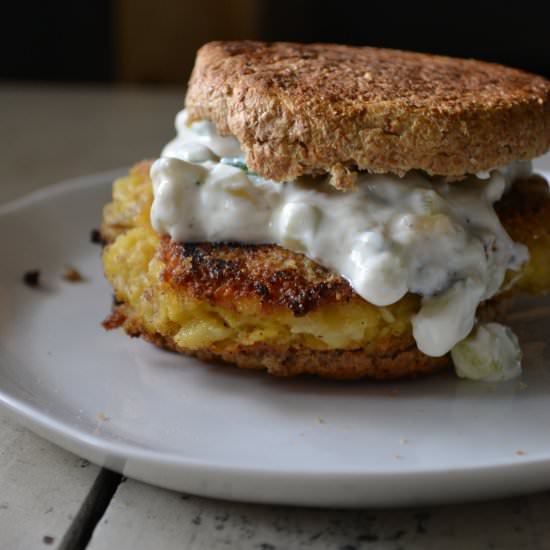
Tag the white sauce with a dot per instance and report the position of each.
(388, 237)
(491, 353)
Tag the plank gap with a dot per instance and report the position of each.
(90, 513)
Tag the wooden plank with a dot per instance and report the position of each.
(141, 516)
(42, 489)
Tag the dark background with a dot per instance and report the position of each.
(153, 42)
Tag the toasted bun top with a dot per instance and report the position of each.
(322, 108)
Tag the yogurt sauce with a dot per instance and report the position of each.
(490, 353)
(388, 237)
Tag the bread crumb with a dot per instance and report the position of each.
(100, 417)
(519, 452)
(397, 457)
(31, 278)
(72, 275)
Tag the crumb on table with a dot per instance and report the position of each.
(31, 278)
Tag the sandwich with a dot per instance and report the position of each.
(340, 211)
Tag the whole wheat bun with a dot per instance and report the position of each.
(321, 108)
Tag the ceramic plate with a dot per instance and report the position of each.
(217, 431)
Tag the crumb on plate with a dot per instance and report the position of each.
(72, 275)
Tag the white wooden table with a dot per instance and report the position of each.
(52, 499)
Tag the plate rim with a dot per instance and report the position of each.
(33, 414)
(62, 432)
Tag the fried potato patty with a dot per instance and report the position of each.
(262, 306)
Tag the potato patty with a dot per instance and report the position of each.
(262, 306)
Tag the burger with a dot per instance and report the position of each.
(341, 211)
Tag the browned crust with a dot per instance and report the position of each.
(225, 274)
(402, 360)
(320, 108)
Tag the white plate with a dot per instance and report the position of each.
(223, 432)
